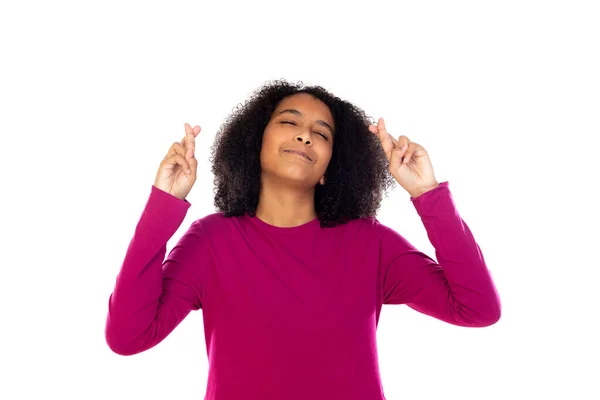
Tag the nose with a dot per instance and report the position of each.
(304, 137)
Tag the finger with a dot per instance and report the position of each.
(409, 152)
(400, 151)
(193, 164)
(403, 141)
(384, 137)
(176, 148)
(178, 159)
(186, 128)
(381, 126)
(196, 130)
(189, 141)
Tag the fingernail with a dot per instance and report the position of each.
(188, 171)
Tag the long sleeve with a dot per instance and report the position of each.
(152, 297)
(459, 289)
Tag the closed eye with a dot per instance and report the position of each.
(293, 123)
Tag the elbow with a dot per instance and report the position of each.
(480, 316)
(122, 350)
(489, 320)
(119, 346)
(488, 317)
(495, 311)
(118, 342)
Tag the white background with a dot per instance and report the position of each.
(505, 96)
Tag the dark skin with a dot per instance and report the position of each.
(288, 181)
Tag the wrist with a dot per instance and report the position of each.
(423, 190)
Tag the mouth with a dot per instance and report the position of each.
(300, 153)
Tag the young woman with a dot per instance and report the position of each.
(292, 271)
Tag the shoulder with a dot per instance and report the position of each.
(217, 226)
(370, 226)
(368, 235)
(212, 222)
(375, 230)
(367, 223)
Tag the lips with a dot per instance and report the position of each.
(299, 153)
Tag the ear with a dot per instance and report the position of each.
(322, 181)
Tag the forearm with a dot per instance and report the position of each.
(134, 303)
(471, 296)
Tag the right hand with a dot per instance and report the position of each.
(173, 176)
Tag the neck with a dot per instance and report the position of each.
(285, 206)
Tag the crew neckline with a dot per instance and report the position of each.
(286, 229)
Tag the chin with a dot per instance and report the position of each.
(291, 179)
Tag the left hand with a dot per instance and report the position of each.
(409, 161)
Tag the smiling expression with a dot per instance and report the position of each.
(298, 140)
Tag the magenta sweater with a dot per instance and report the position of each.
(292, 313)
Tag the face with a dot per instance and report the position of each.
(300, 124)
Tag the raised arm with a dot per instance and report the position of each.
(457, 289)
(151, 296)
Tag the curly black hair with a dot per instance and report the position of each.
(357, 175)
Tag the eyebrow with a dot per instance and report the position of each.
(298, 113)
